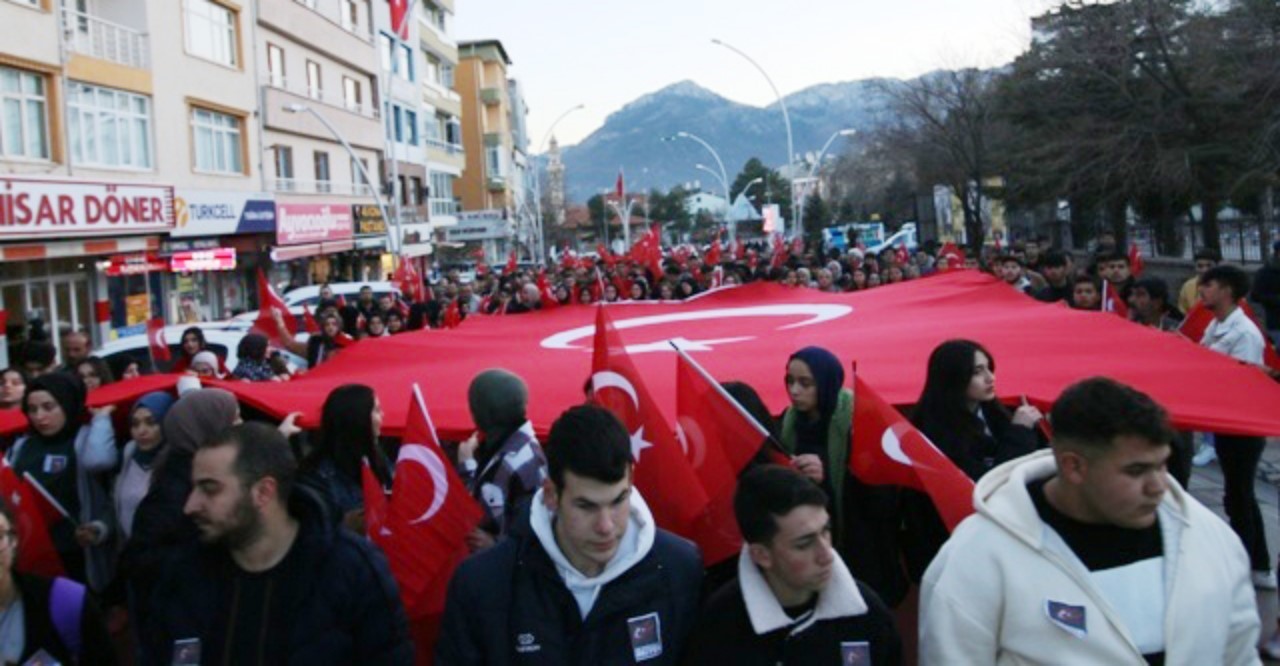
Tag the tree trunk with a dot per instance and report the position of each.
(1209, 223)
(1118, 219)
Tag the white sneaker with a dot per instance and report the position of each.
(1264, 580)
(1206, 455)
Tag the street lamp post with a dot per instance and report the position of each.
(786, 117)
(724, 175)
(392, 238)
(813, 170)
(537, 182)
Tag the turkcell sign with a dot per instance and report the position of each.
(46, 208)
(312, 223)
(221, 213)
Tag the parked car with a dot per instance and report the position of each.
(310, 295)
(222, 338)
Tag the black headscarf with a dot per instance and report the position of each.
(69, 392)
(828, 376)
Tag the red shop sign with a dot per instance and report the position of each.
(220, 259)
(135, 264)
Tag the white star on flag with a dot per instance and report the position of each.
(638, 444)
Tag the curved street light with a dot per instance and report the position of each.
(537, 181)
(393, 239)
(786, 117)
(813, 170)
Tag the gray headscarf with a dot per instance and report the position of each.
(497, 399)
(197, 416)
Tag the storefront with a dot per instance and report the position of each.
(489, 228)
(309, 239)
(372, 260)
(59, 240)
(220, 240)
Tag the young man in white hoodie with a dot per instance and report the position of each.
(1090, 554)
(595, 583)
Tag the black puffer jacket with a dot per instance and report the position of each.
(331, 600)
(508, 605)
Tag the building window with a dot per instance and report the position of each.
(321, 160)
(108, 128)
(441, 194)
(402, 125)
(314, 86)
(24, 129)
(415, 191)
(211, 32)
(351, 94)
(275, 65)
(397, 57)
(446, 75)
(433, 68)
(218, 144)
(309, 4)
(411, 127)
(453, 132)
(493, 161)
(357, 178)
(350, 15)
(284, 168)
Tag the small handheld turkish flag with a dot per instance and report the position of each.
(428, 516)
(308, 321)
(375, 504)
(36, 554)
(1136, 264)
(719, 439)
(888, 450)
(156, 343)
(1111, 301)
(662, 473)
(268, 303)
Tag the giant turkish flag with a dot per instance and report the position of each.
(746, 333)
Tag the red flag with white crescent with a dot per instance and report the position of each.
(375, 503)
(36, 554)
(428, 516)
(309, 321)
(158, 346)
(889, 450)
(1136, 264)
(719, 439)
(662, 473)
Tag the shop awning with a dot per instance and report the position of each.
(80, 248)
(417, 249)
(371, 243)
(291, 252)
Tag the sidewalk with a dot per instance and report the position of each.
(1206, 486)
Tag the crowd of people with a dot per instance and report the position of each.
(191, 535)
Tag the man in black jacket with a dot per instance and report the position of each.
(595, 583)
(794, 601)
(273, 581)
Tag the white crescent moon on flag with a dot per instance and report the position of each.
(439, 476)
(816, 313)
(610, 379)
(892, 446)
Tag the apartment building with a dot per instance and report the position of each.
(485, 187)
(318, 63)
(442, 111)
(127, 135)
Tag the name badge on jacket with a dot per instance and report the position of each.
(855, 653)
(645, 632)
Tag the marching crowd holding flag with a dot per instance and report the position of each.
(641, 524)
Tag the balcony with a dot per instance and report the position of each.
(294, 186)
(361, 130)
(497, 184)
(490, 96)
(330, 98)
(91, 36)
(450, 149)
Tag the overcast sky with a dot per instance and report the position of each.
(605, 53)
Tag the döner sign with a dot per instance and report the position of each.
(31, 208)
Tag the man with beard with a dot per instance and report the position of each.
(273, 580)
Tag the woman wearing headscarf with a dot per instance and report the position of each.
(159, 524)
(65, 456)
(502, 464)
(817, 431)
(139, 457)
(95, 373)
(206, 364)
(350, 424)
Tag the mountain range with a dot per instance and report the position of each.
(632, 137)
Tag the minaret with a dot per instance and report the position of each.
(555, 181)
